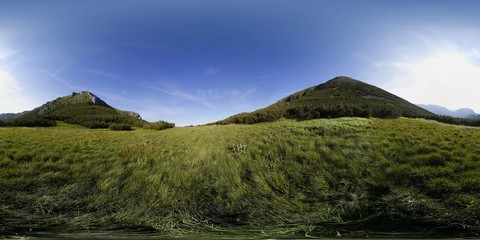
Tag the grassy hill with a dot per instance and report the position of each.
(82, 108)
(338, 97)
(357, 176)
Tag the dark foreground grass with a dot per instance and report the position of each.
(317, 177)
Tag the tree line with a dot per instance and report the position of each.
(338, 110)
(28, 122)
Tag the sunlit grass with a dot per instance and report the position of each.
(290, 176)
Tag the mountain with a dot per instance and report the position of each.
(4, 116)
(477, 117)
(338, 97)
(459, 113)
(82, 108)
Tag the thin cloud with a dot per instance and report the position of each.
(248, 92)
(184, 95)
(61, 69)
(234, 93)
(54, 76)
(264, 77)
(157, 47)
(3, 62)
(476, 52)
(159, 111)
(100, 73)
(4, 65)
(115, 97)
(211, 71)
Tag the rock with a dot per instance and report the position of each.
(133, 114)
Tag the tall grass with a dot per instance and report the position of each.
(281, 177)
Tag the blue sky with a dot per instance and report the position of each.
(194, 62)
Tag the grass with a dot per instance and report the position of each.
(268, 179)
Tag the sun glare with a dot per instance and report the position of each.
(448, 79)
(12, 97)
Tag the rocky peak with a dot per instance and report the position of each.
(86, 95)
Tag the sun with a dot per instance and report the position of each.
(446, 78)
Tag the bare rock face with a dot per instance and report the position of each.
(96, 100)
(133, 114)
(93, 99)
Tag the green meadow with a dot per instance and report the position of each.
(288, 177)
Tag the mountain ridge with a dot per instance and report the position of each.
(458, 113)
(5, 116)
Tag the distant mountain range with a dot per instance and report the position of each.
(82, 108)
(4, 116)
(338, 97)
(459, 113)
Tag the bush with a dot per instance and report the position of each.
(28, 122)
(120, 127)
(160, 125)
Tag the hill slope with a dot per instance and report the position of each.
(338, 97)
(82, 108)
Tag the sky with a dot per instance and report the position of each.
(194, 62)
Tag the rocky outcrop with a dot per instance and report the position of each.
(94, 100)
(133, 114)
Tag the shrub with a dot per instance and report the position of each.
(160, 125)
(28, 122)
(120, 127)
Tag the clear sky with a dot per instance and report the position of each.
(193, 62)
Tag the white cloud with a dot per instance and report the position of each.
(445, 78)
(7, 83)
(12, 97)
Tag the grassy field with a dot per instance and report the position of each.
(315, 177)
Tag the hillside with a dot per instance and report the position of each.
(358, 176)
(82, 108)
(338, 97)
